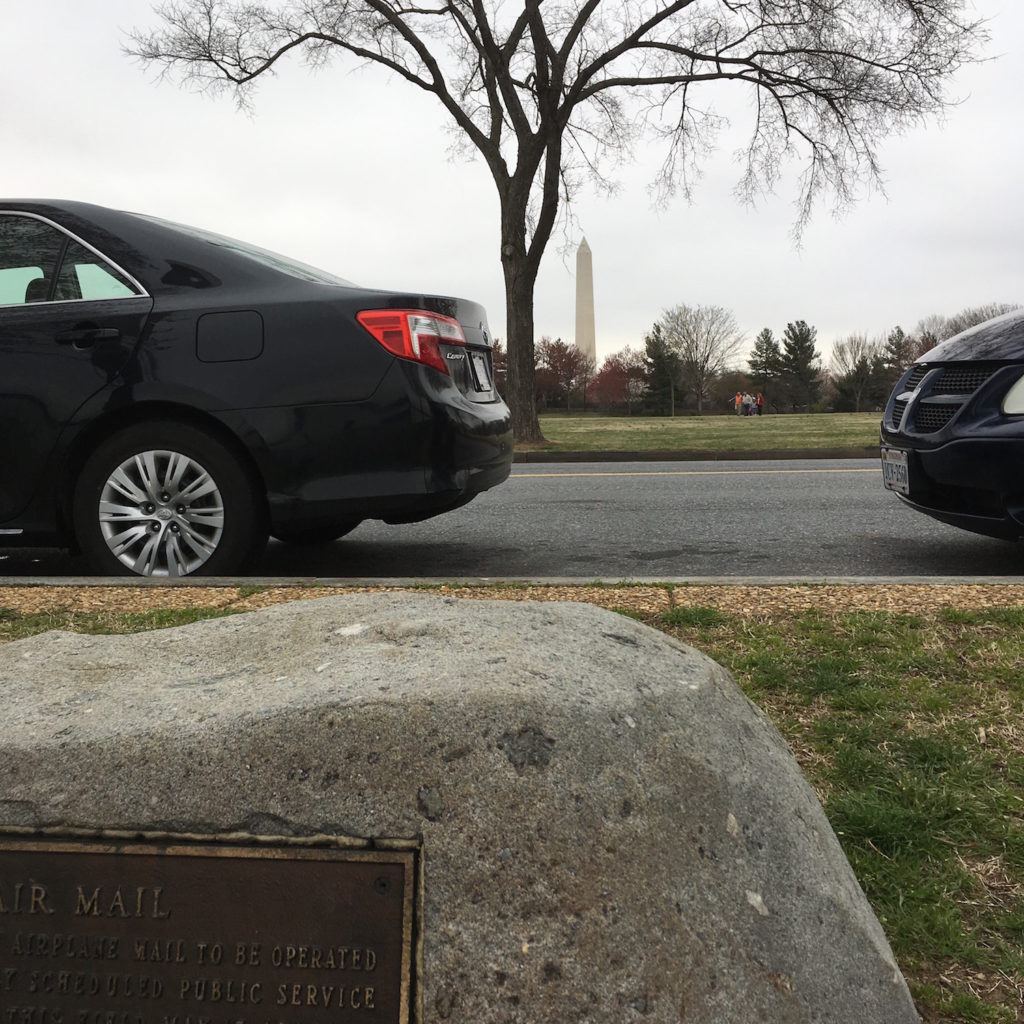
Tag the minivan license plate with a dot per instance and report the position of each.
(895, 470)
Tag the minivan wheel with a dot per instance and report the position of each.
(164, 499)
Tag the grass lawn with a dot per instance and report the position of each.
(909, 726)
(911, 729)
(708, 433)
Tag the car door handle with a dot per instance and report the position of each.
(83, 337)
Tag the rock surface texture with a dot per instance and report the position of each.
(610, 830)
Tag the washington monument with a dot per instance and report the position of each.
(585, 341)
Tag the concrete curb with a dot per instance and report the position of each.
(431, 583)
(772, 454)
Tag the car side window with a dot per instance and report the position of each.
(40, 263)
(84, 275)
(29, 251)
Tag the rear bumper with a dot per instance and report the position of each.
(417, 448)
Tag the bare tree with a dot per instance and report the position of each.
(930, 331)
(974, 315)
(854, 349)
(939, 328)
(706, 339)
(551, 94)
(935, 327)
(858, 369)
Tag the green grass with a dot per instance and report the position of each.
(911, 730)
(17, 627)
(709, 433)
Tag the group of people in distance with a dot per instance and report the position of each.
(747, 405)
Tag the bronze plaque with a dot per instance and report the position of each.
(170, 932)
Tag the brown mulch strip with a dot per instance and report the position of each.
(743, 600)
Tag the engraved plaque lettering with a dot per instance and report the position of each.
(170, 932)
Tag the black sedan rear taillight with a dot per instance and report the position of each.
(413, 333)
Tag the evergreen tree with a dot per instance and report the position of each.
(801, 365)
(765, 361)
(662, 366)
(899, 352)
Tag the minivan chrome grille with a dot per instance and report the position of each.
(930, 418)
(927, 417)
(915, 378)
(898, 409)
(961, 380)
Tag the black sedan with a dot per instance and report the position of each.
(953, 430)
(169, 396)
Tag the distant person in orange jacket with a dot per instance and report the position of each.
(738, 402)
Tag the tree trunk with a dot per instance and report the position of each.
(519, 281)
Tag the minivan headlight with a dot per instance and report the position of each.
(1013, 401)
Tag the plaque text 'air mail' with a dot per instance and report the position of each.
(179, 933)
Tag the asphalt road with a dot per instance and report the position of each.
(741, 520)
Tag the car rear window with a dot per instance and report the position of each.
(274, 260)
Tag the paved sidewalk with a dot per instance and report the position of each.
(69, 598)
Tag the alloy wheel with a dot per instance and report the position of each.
(161, 514)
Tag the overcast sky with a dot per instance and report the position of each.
(349, 170)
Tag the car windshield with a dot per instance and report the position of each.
(265, 256)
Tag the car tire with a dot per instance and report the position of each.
(309, 536)
(165, 499)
